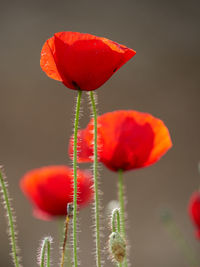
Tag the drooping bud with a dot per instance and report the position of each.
(117, 247)
(44, 252)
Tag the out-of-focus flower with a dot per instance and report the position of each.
(194, 211)
(126, 139)
(82, 61)
(50, 189)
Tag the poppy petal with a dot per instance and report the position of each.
(37, 213)
(82, 61)
(84, 152)
(126, 140)
(50, 189)
(47, 61)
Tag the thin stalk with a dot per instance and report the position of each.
(116, 218)
(45, 252)
(62, 234)
(75, 178)
(10, 219)
(95, 175)
(122, 208)
(65, 241)
(177, 235)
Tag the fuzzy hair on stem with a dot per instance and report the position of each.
(11, 219)
(115, 220)
(102, 219)
(95, 176)
(69, 244)
(44, 252)
(121, 197)
(67, 221)
(76, 121)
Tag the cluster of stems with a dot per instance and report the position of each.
(95, 178)
(44, 260)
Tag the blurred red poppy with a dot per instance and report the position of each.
(82, 61)
(194, 211)
(50, 189)
(126, 140)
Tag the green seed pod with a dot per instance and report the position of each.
(117, 247)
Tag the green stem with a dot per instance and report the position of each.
(122, 208)
(45, 252)
(95, 174)
(116, 217)
(175, 232)
(75, 178)
(10, 219)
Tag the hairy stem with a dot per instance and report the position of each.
(45, 252)
(62, 234)
(95, 175)
(116, 218)
(10, 219)
(75, 178)
(122, 208)
(65, 241)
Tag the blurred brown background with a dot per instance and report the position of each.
(36, 116)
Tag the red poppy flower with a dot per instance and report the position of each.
(50, 189)
(126, 140)
(82, 61)
(194, 211)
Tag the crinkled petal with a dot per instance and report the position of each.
(127, 140)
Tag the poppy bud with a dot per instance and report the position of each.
(117, 247)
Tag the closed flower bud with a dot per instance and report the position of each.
(117, 247)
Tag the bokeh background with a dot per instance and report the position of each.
(36, 117)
